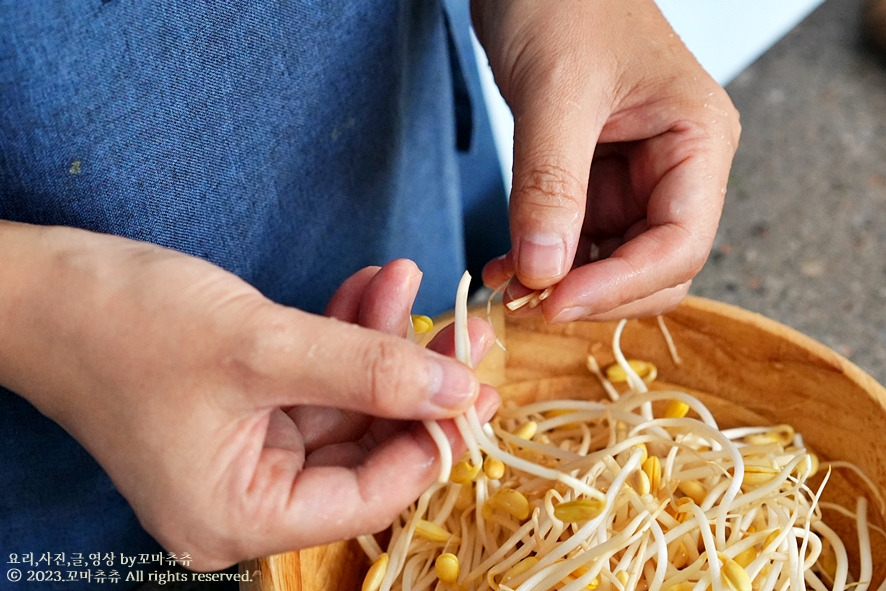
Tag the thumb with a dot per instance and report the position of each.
(300, 358)
(555, 131)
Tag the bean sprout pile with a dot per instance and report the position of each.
(641, 492)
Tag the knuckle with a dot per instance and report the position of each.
(671, 298)
(251, 356)
(550, 186)
(692, 250)
(385, 364)
(696, 257)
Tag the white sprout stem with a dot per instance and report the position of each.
(669, 340)
(526, 466)
(771, 580)
(518, 303)
(813, 581)
(795, 562)
(442, 442)
(589, 449)
(594, 368)
(710, 545)
(634, 566)
(851, 515)
(505, 565)
(628, 404)
(661, 549)
(878, 495)
(549, 405)
(738, 473)
(768, 489)
(370, 547)
(470, 439)
(842, 572)
(814, 549)
(866, 566)
(462, 338)
(635, 382)
(448, 505)
(463, 354)
(400, 545)
(547, 572)
(499, 554)
(739, 432)
(497, 291)
(806, 531)
(583, 533)
(627, 557)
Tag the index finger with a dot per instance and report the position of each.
(323, 504)
(689, 169)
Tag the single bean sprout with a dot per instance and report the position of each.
(642, 492)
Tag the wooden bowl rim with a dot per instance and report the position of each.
(793, 336)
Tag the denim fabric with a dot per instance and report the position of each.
(290, 142)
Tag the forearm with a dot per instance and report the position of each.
(63, 303)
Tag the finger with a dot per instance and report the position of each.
(375, 297)
(557, 119)
(321, 425)
(593, 249)
(285, 357)
(498, 272)
(388, 298)
(324, 426)
(615, 199)
(282, 434)
(365, 499)
(345, 302)
(482, 338)
(682, 218)
(658, 303)
(516, 291)
(351, 452)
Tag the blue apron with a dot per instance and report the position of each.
(289, 142)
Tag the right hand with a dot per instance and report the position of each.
(181, 380)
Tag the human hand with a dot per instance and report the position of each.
(188, 387)
(622, 150)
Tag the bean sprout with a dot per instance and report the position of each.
(641, 492)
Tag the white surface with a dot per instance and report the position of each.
(727, 35)
(724, 35)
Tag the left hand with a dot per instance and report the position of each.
(622, 150)
(379, 298)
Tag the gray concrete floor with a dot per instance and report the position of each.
(803, 233)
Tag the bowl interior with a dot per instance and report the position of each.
(747, 369)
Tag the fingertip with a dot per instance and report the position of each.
(518, 300)
(345, 302)
(454, 388)
(498, 271)
(488, 403)
(482, 338)
(388, 297)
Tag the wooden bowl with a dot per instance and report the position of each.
(747, 369)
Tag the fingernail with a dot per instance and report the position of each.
(570, 314)
(542, 255)
(453, 384)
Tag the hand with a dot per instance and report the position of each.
(622, 149)
(189, 388)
